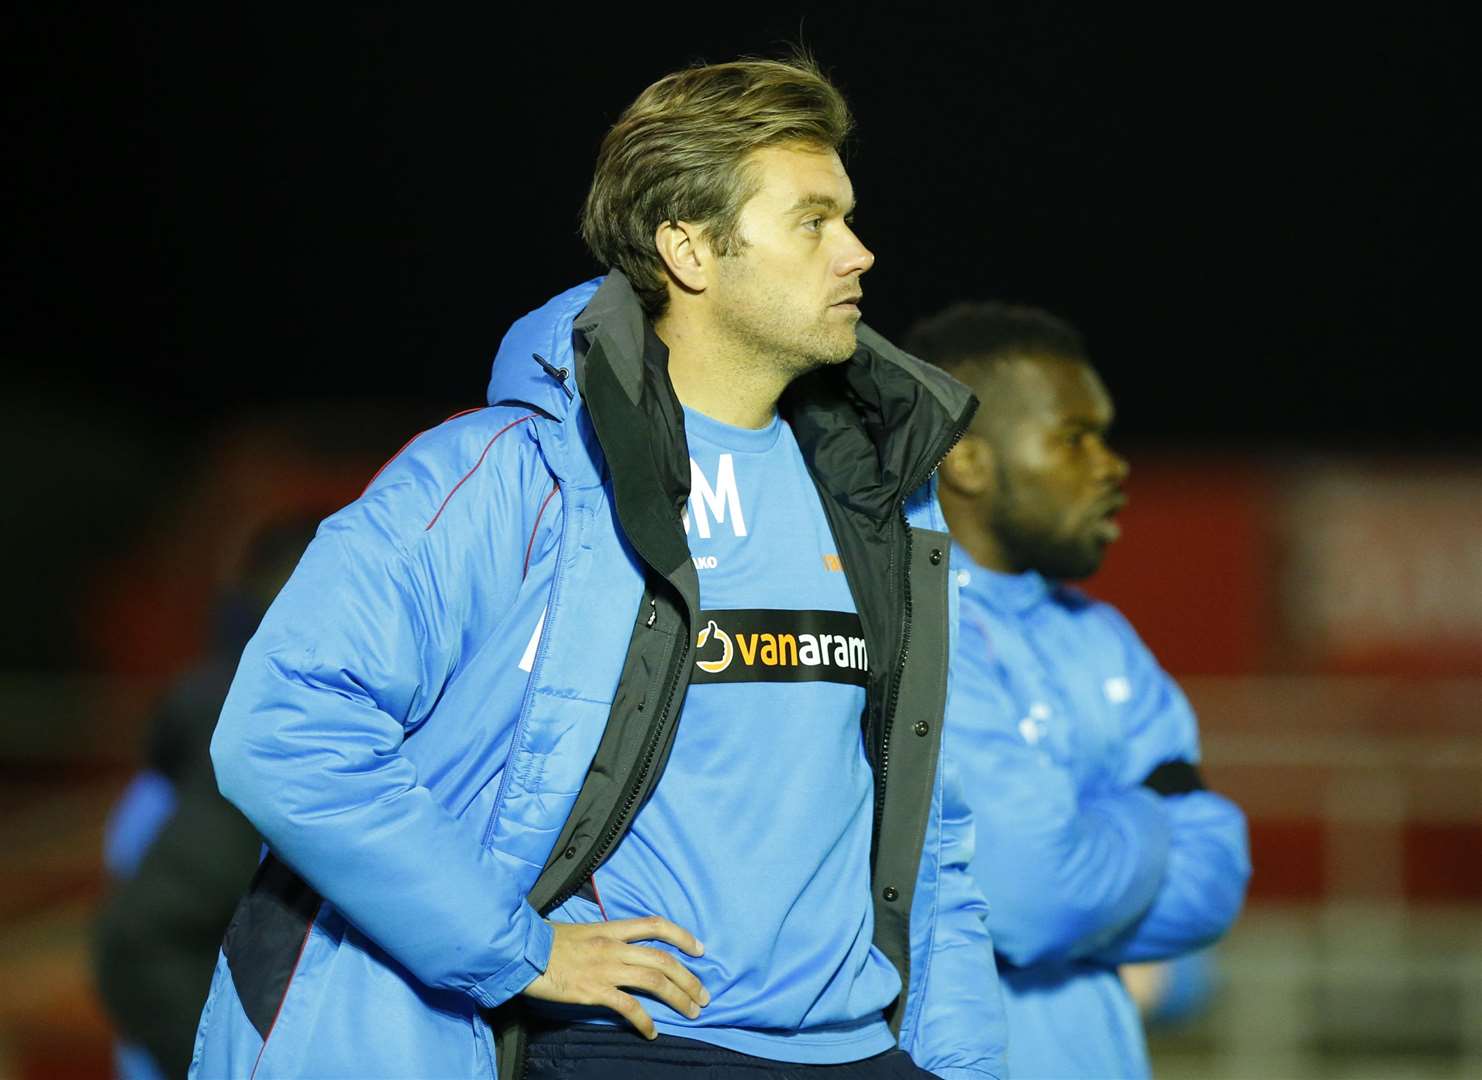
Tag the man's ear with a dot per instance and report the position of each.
(969, 469)
(684, 253)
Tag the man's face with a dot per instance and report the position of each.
(790, 293)
(1058, 484)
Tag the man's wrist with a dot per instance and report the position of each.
(524, 969)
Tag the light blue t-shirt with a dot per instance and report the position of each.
(757, 837)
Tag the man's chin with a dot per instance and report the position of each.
(1079, 567)
(1069, 563)
(846, 348)
(831, 353)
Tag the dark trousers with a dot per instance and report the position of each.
(591, 1052)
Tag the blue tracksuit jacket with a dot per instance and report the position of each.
(1059, 712)
(412, 723)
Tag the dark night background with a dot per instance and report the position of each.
(1252, 216)
(244, 254)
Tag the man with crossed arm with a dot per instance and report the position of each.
(1098, 844)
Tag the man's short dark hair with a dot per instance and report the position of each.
(970, 338)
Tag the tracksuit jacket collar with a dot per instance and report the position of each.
(873, 428)
(1010, 593)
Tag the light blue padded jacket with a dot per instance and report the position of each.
(412, 724)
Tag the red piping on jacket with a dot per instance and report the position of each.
(302, 945)
(476, 464)
(409, 442)
(598, 895)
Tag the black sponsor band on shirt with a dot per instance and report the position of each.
(780, 645)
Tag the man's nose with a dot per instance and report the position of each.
(856, 259)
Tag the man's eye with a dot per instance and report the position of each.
(813, 224)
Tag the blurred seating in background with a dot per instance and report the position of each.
(1325, 617)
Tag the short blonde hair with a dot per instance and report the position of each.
(678, 154)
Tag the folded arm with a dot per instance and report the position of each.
(1064, 873)
(1208, 867)
(1203, 886)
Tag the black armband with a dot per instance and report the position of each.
(1174, 778)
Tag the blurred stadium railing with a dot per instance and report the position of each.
(1325, 617)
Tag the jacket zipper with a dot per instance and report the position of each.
(888, 720)
(656, 737)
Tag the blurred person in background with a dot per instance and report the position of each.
(180, 855)
(550, 645)
(1097, 842)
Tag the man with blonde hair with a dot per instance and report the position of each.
(600, 737)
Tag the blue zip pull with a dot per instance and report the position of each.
(557, 373)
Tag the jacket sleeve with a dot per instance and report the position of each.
(962, 1033)
(347, 662)
(1208, 867)
(1064, 872)
(1203, 887)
